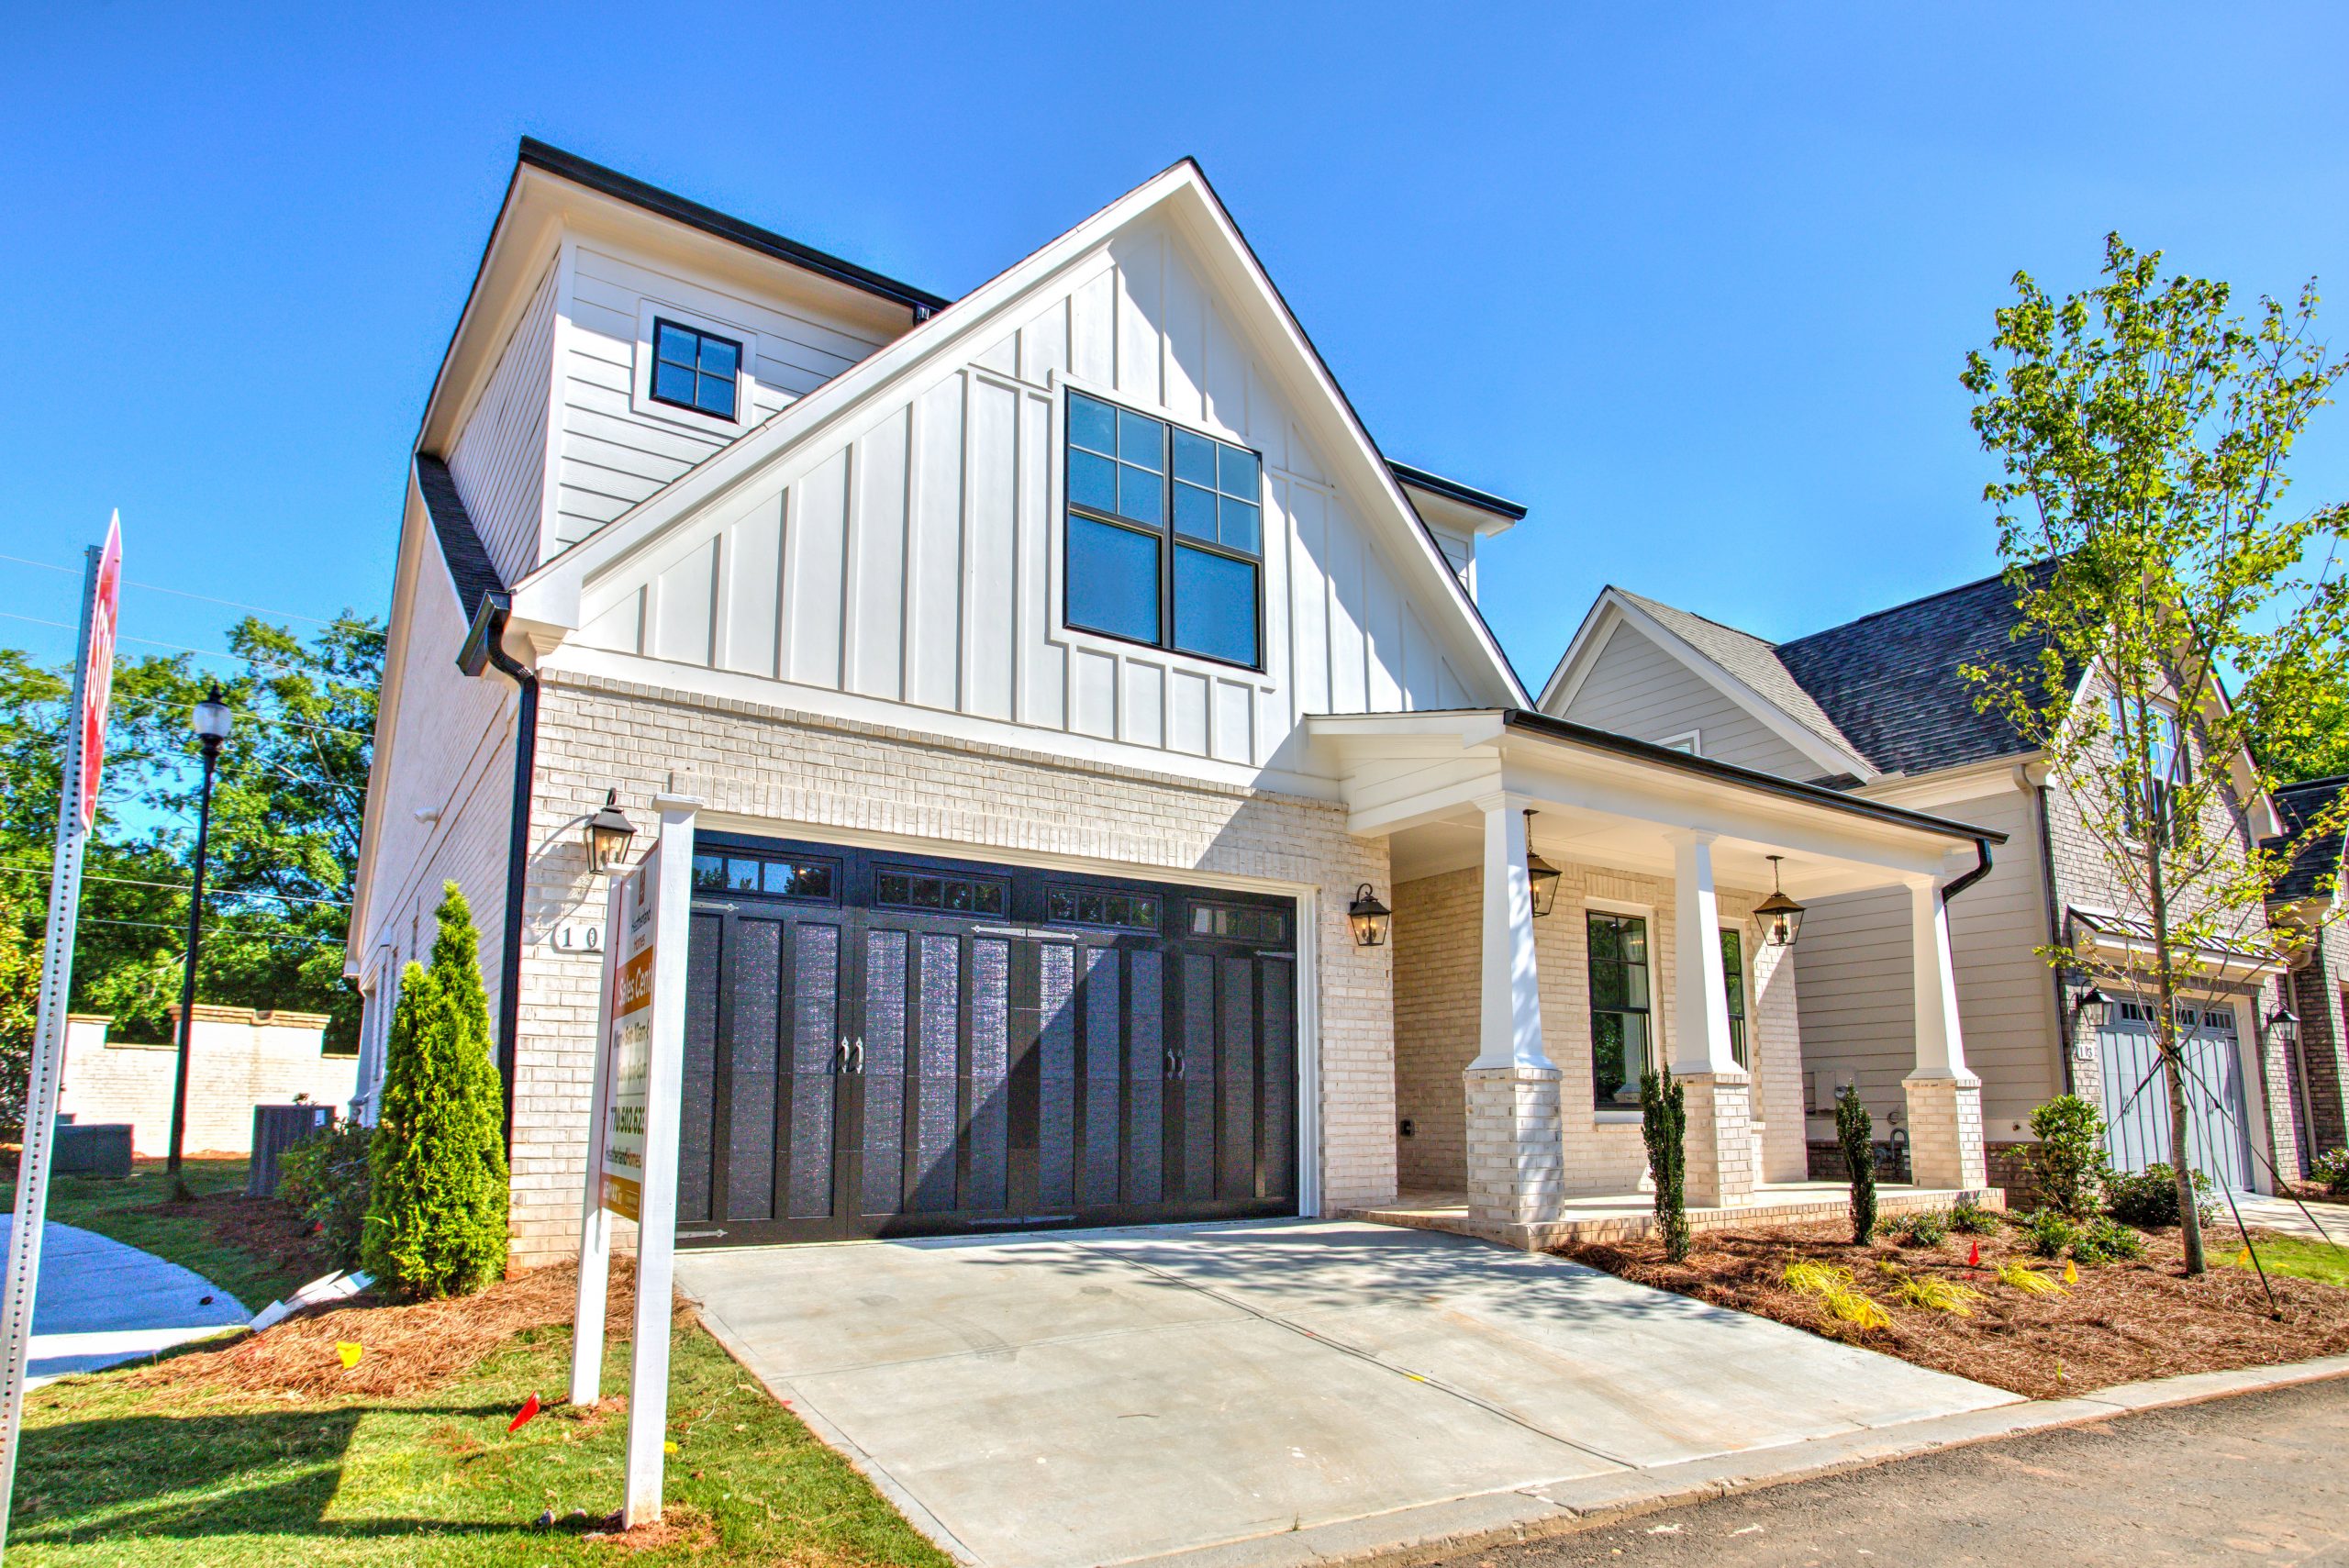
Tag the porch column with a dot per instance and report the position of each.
(1944, 1097)
(1719, 1142)
(1515, 1145)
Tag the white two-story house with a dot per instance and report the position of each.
(1066, 679)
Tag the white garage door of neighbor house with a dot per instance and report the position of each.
(2136, 1097)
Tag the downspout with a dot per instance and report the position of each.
(2054, 935)
(1981, 869)
(485, 645)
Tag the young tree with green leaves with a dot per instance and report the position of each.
(1664, 1125)
(436, 1221)
(2181, 623)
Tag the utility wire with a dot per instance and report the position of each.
(231, 931)
(239, 712)
(182, 887)
(207, 598)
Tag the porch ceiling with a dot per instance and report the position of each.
(1425, 781)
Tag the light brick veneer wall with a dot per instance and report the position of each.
(1437, 923)
(803, 776)
(1437, 930)
(2319, 986)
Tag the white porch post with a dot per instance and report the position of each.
(1516, 1149)
(1719, 1142)
(1944, 1098)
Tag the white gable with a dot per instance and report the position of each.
(903, 547)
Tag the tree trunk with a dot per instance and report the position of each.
(2189, 1216)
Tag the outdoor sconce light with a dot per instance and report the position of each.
(1369, 917)
(1779, 914)
(1540, 873)
(2092, 1006)
(2286, 1025)
(608, 832)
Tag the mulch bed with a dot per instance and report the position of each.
(403, 1350)
(264, 1227)
(2121, 1323)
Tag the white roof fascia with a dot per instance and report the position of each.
(410, 561)
(1834, 759)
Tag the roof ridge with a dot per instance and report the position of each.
(1694, 614)
(2334, 781)
(1895, 609)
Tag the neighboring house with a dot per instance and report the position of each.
(2308, 896)
(1878, 709)
(238, 1057)
(1056, 670)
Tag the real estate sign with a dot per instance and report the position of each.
(635, 939)
(632, 1141)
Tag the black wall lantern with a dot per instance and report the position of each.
(1369, 917)
(1779, 914)
(608, 832)
(2092, 1007)
(1539, 873)
(2286, 1025)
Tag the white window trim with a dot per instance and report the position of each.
(1690, 740)
(746, 378)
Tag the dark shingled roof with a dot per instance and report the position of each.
(2314, 857)
(1890, 682)
(471, 573)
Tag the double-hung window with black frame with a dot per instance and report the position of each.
(694, 369)
(1619, 1004)
(1165, 535)
(1734, 988)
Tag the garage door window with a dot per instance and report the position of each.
(767, 875)
(896, 888)
(1092, 907)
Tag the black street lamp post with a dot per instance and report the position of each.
(211, 724)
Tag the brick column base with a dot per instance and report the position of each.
(1517, 1152)
(1945, 1132)
(1718, 1143)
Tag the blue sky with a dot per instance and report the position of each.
(1695, 283)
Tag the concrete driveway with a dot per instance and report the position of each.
(1111, 1396)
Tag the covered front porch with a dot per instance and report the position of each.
(1573, 908)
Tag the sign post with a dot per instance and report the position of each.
(633, 1145)
(77, 810)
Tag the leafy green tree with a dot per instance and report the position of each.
(2313, 743)
(286, 813)
(436, 1221)
(2143, 429)
(19, 1013)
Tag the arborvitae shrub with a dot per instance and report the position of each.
(436, 1224)
(1856, 1132)
(1664, 1123)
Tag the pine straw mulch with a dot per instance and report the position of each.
(404, 1350)
(2121, 1323)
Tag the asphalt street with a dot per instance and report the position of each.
(2257, 1478)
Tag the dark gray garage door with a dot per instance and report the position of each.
(885, 1045)
(2137, 1129)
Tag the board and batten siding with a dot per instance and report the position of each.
(916, 559)
(1637, 688)
(499, 457)
(1853, 979)
(616, 447)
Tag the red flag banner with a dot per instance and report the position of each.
(97, 666)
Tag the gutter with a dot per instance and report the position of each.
(1761, 783)
(484, 646)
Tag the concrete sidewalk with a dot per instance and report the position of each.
(1272, 1393)
(101, 1302)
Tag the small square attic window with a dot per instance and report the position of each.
(694, 369)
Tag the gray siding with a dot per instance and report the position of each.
(1854, 980)
(1636, 688)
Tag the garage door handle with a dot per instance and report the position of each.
(856, 1057)
(839, 1055)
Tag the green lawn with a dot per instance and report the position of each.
(2319, 1261)
(124, 1209)
(126, 1478)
